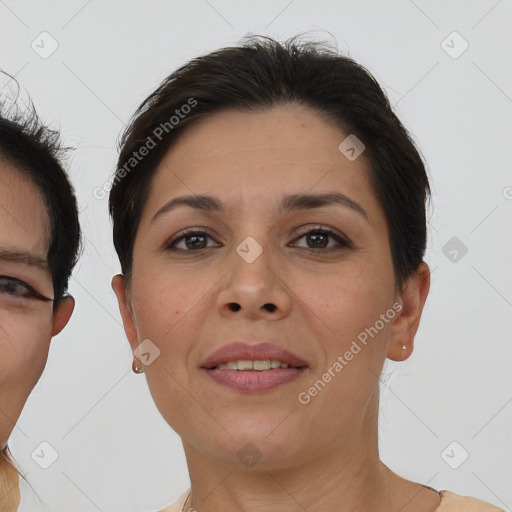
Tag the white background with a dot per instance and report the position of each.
(115, 451)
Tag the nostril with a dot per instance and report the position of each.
(234, 306)
(270, 307)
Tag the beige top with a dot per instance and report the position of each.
(9, 487)
(450, 502)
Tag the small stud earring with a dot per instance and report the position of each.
(404, 347)
(136, 368)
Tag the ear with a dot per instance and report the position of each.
(62, 314)
(404, 328)
(119, 287)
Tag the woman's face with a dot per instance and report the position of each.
(263, 268)
(27, 322)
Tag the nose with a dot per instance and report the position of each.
(255, 289)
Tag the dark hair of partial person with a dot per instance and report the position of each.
(259, 75)
(35, 150)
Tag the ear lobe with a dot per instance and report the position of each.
(119, 287)
(406, 325)
(62, 314)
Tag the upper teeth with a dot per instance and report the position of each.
(252, 365)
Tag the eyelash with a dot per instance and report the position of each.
(8, 283)
(343, 243)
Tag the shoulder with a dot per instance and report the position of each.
(9, 487)
(177, 505)
(451, 502)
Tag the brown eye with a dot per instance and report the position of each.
(319, 239)
(192, 241)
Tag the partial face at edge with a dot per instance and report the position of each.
(27, 321)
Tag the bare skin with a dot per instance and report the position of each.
(27, 319)
(322, 455)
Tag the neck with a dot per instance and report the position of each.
(359, 484)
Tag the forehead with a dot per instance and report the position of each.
(246, 156)
(290, 130)
(24, 220)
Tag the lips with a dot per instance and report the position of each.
(241, 351)
(255, 369)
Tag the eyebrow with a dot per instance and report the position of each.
(288, 204)
(26, 258)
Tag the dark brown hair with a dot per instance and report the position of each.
(36, 152)
(260, 75)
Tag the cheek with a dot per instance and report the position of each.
(24, 345)
(163, 301)
(344, 302)
(169, 309)
(165, 311)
